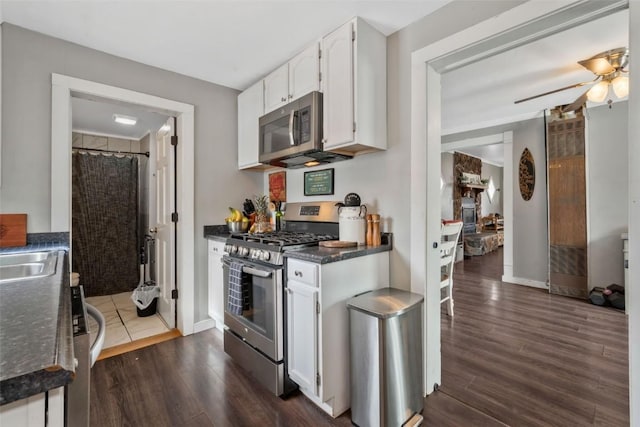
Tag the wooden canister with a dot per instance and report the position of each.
(375, 230)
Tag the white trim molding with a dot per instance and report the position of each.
(62, 89)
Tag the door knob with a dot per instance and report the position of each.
(153, 230)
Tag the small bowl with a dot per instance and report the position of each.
(238, 226)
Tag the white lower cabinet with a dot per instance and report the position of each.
(216, 282)
(303, 331)
(39, 410)
(318, 324)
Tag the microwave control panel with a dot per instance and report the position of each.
(305, 124)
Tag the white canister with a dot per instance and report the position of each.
(352, 224)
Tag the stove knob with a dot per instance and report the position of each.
(265, 255)
(244, 251)
(234, 249)
(227, 248)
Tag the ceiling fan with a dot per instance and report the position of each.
(610, 70)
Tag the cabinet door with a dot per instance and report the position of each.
(302, 334)
(338, 87)
(304, 72)
(250, 108)
(28, 412)
(276, 88)
(216, 283)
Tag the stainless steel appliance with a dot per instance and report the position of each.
(291, 136)
(468, 206)
(256, 337)
(85, 353)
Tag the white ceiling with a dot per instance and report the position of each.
(483, 94)
(95, 117)
(234, 43)
(231, 43)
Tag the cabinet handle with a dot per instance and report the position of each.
(324, 140)
(283, 99)
(298, 273)
(289, 291)
(290, 96)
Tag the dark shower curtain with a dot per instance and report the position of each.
(105, 222)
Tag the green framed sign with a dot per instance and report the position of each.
(318, 183)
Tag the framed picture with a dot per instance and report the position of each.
(318, 183)
(278, 186)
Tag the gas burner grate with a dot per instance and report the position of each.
(284, 238)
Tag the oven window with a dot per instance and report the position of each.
(258, 303)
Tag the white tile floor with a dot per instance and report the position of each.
(123, 323)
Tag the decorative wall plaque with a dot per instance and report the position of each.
(527, 174)
(318, 183)
(278, 186)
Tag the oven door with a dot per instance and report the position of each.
(260, 323)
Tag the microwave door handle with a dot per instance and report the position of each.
(256, 272)
(292, 117)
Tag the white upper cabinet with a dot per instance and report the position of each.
(276, 88)
(294, 79)
(304, 72)
(354, 86)
(250, 108)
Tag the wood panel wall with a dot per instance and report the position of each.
(567, 208)
(468, 164)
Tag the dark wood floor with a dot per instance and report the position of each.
(511, 356)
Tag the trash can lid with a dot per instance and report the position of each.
(385, 303)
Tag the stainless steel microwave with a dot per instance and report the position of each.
(291, 136)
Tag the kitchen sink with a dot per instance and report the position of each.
(28, 265)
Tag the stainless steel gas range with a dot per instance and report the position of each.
(254, 318)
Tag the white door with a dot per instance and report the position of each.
(164, 181)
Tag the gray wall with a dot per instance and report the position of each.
(608, 190)
(29, 58)
(530, 230)
(495, 205)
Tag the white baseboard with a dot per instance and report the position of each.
(525, 282)
(203, 325)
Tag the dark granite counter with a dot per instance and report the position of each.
(36, 336)
(322, 255)
(41, 242)
(216, 232)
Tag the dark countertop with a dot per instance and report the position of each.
(36, 336)
(216, 232)
(317, 254)
(322, 255)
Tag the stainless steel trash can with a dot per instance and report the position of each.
(386, 357)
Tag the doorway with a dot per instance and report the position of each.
(495, 153)
(63, 88)
(114, 247)
(508, 30)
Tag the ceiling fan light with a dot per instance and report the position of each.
(620, 86)
(598, 92)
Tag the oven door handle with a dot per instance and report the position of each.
(253, 271)
(256, 272)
